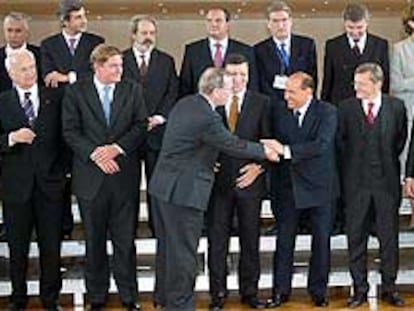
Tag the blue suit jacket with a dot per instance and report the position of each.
(311, 173)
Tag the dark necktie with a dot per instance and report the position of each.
(233, 113)
(218, 56)
(370, 117)
(355, 48)
(29, 108)
(143, 69)
(106, 102)
(72, 48)
(284, 55)
(296, 115)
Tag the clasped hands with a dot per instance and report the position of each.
(104, 158)
(409, 187)
(273, 149)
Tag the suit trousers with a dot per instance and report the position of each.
(110, 214)
(223, 205)
(177, 229)
(360, 211)
(45, 215)
(288, 219)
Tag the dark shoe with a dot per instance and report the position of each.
(96, 307)
(253, 302)
(54, 308)
(393, 298)
(277, 300)
(132, 306)
(16, 307)
(217, 303)
(320, 301)
(271, 230)
(158, 306)
(357, 300)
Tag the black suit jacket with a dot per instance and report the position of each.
(197, 57)
(85, 128)
(340, 64)
(160, 88)
(5, 81)
(253, 124)
(40, 162)
(184, 173)
(352, 143)
(269, 64)
(56, 55)
(311, 173)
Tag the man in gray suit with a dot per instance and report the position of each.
(104, 122)
(182, 182)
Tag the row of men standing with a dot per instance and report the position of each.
(65, 59)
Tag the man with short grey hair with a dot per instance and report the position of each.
(155, 70)
(371, 135)
(182, 181)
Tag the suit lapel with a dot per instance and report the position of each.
(309, 119)
(152, 66)
(131, 65)
(93, 100)
(63, 47)
(383, 118)
(117, 103)
(206, 55)
(17, 109)
(294, 52)
(246, 110)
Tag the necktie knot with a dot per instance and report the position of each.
(218, 55)
(27, 95)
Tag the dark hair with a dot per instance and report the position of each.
(407, 16)
(355, 12)
(68, 6)
(278, 6)
(226, 12)
(235, 59)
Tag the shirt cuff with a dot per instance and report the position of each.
(11, 141)
(120, 150)
(159, 118)
(72, 77)
(287, 153)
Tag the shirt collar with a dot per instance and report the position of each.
(240, 96)
(361, 42)
(68, 37)
(9, 49)
(377, 101)
(224, 43)
(147, 54)
(100, 86)
(302, 110)
(286, 42)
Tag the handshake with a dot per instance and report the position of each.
(273, 149)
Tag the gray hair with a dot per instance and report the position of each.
(377, 74)
(17, 17)
(355, 12)
(135, 20)
(13, 58)
(212, 78)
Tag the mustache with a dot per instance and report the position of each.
(147, 41)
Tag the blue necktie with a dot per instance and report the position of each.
(106, 102)
(284, 55)
(28, 108)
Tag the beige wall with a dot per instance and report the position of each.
(173, 34)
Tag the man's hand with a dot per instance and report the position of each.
(109, 167)
(53, 79)
(409, 187)
(271, 154)
(155, 121)
(23, 135)
(273, 144)
(249, 173)
(105, 153)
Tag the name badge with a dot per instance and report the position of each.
(280, 82)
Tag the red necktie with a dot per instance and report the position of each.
(370, 114)
(218, 56)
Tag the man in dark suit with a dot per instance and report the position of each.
(65, 59)
(239, 188)
(279, 56)
(33, 178)
(212, 51)
(16, 33)
(305, 180)
(182, 181)
(345, 52)
(155, 70)
(371, 135)
(65, 56)
(283, 53)
(104, 122)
